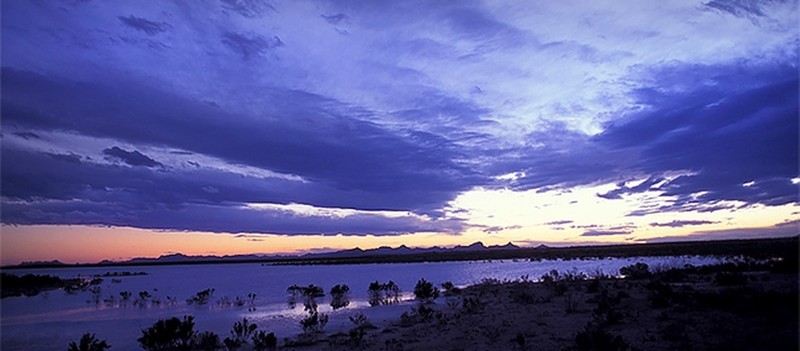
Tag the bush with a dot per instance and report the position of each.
(89, 342)
(314, 323)
(361, 324)
(425, 291)
(593, 338)
(169, 334)
(207, 341)
(730, 278)
(243, 330)
(635, 271)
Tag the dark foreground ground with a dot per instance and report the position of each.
(745, 306)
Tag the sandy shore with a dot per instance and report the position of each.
(677, 310)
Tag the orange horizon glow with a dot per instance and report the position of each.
(93, 244)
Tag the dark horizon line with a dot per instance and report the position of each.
(784, 247)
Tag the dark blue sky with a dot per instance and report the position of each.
(390, 118)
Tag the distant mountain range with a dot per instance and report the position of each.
(352, 253)
(405, 250)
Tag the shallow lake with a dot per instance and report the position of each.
(50, 320)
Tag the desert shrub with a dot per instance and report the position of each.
(88, 342)
(263, 341)
(393, 345)
(519, 341)
(522, 295)
(490, 281)
(448, 289)
(556, 282)
(170, 334)
(425, 291)
(607, 312)
(492, 333)
(573, 275)
(635, 271)
(571, 303)
(730, 278)
(232, 344)
(125, 295)
(339, 296)
(314, 323)
(201, 297)
(660, 293)
(242, 331)
(207, 341)
(594, 338)
(424, 313)
(361, 324)
(471, 305)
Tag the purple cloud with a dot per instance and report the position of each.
(681, 223)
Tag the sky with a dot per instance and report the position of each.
(137, 129)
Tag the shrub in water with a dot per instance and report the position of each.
(339, 296)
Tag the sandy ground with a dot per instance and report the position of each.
(681, 311)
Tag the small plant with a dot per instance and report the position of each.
(425, 291)
(88, 342)
(169, 334)
(263, 341)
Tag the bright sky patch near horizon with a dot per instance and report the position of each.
(254, 126)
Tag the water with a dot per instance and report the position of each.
(51, 320)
